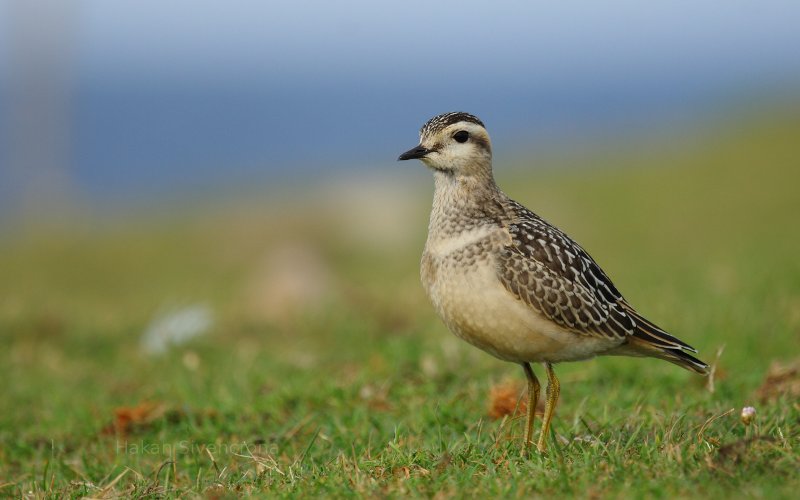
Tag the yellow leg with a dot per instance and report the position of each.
(553, 390)
(533, 398)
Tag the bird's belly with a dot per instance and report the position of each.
(477, 308)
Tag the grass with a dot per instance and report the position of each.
(352, 386)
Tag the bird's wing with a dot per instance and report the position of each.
(544, 268)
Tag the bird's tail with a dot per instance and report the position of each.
(650, 340)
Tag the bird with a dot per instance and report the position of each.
(510, 283)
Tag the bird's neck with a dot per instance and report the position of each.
(461, 203)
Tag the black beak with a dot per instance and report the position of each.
(415, 153)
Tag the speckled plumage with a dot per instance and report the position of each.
(510, 283)
(439, 122)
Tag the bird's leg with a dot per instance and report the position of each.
(533, 398)
(553, 390)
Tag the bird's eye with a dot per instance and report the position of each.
(461, 136)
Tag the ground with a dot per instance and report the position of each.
(322, 369)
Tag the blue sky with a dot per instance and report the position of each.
(414, 40)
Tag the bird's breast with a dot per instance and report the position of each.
(460, 278)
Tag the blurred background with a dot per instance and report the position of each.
(114, 105)
(226, 171)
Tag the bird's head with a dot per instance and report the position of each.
(454, 143)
